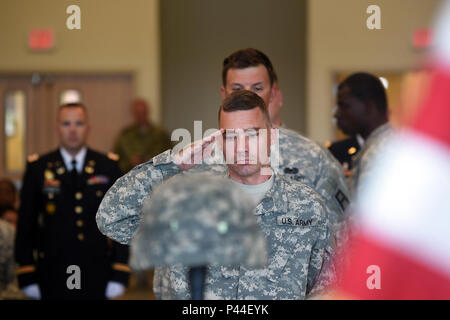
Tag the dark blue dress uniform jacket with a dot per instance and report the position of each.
(57, 229)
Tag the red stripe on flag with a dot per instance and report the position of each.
(401, 277)
(433, 118)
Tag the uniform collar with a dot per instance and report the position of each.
(378, 131)
(67, 158)
(276, 199)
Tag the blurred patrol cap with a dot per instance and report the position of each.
(196, 220)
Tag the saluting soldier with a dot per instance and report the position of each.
(292, 215)
(60, 252)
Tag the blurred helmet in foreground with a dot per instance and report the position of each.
(198, 220)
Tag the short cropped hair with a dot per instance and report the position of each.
(367, 87)
(246, 58)
(73, 105)
(243, 100)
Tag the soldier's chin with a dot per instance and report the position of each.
(72, 146)
(245, 169)
(346, 130)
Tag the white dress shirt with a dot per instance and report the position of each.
(67, 157)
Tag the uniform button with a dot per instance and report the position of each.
(78, 195)
(78, 209)
(41, 255)
(89, 170)
(80, 236)
(51, 195)
(80, 223)
(99, 193)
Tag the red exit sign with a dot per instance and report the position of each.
(41, 39)
(422, 38)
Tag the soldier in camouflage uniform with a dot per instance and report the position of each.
(364, 162)
(362, 109)
(292, 215)
(8, 280)
(299, 158)
(140, 141)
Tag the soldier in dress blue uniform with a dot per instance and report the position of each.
(60, 252)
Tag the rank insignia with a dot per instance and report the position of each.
(351, 151)
(113, 156)
(33, 158)
(342, 199)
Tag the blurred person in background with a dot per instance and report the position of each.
(8, 280)
(142, 140)
(402, 246)
(10, 215)
(8, 200)
(362, 109)
(8, 193)
(57, 235)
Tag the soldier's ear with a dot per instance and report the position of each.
(223, 92)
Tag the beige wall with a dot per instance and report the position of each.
(124, 35)
(198, 34)
(339, 41)
(119, 35)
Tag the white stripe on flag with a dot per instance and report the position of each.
(407, 204)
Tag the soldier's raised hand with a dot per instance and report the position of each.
(197, 151)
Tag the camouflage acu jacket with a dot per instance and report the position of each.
(292, 216)
(364, 162)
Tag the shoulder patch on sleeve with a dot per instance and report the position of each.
(113, 156)
(33, 157)
(342, 199)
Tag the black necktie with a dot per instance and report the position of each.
(73, 172)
